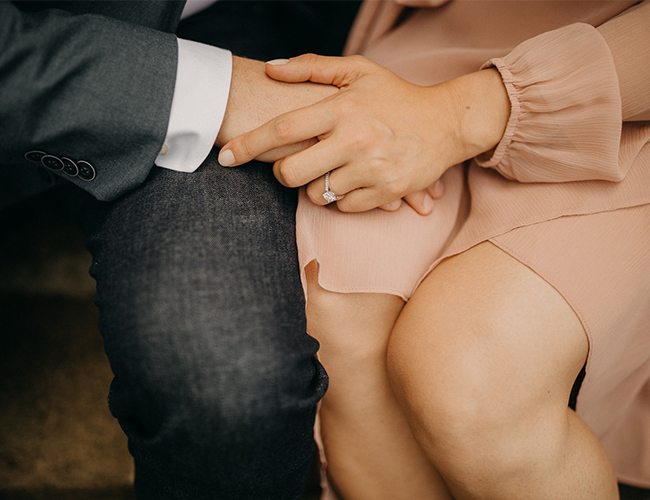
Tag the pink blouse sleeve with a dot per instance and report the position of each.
(628, 38)
(566, 104)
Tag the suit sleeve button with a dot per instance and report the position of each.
(34, 156)
(86, 170)
(52, 162)
(69, 167)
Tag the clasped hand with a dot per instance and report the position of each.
(381, 137)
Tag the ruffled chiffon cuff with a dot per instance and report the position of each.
(565, 121)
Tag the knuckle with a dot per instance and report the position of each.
(310, 57)
(278, 173)
(290, 174)
(345, 206)
(361, 140)
(379, 171)
(242, 149)
(376, 165)
(393, 190)
(401, 186)
(314, 195)
(365, 63)
(359, 59)
(283, 130)
(356, 143)
(348, 106)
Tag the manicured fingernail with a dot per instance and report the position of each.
(396, 204)
(428, 202)
(226, 158)
(277, 62)
(438, 188)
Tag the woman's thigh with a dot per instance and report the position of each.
(483, 356)
(371, 453)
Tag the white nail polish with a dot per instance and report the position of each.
(277, 62)
(226, 158)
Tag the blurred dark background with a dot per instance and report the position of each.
(57, 437)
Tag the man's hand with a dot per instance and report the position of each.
(255, 99)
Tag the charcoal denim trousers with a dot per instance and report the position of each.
(202, 313)
(201, 307)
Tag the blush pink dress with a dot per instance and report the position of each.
(566, 192)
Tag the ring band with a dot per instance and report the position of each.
(329, 194)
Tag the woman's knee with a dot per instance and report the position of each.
(476, 429)
(483, 359)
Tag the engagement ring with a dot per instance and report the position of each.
(329, 194)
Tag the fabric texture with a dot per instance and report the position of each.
(215, 379)
(93, 82)
(566, 192)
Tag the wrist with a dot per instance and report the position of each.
(233, 106)
(482, 110)
(255, 98)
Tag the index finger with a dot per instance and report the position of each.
(289, 128)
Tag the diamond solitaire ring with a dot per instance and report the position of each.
(329, 194)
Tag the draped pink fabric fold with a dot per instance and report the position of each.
(566, 192)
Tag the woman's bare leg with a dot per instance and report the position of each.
(483, 358)
(370, 449)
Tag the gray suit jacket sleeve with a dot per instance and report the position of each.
(91, 91)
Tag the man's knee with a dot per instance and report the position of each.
(239, 426)
(233, 390)
(194, 382)
(217, 345)
(202, 314)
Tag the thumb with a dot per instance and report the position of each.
(338, 71)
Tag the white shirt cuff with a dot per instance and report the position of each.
(198, 106)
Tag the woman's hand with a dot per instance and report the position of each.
(420, 201)
(382, 137)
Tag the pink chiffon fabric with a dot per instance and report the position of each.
(566, 192)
